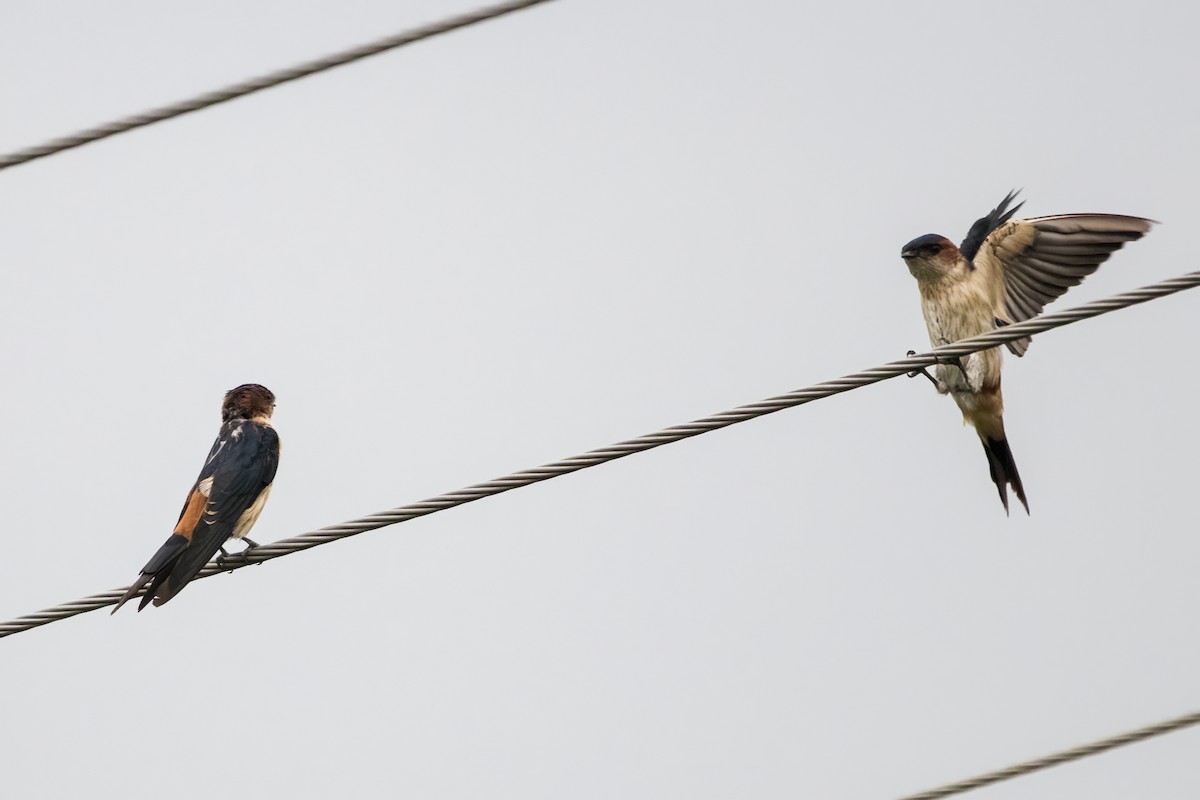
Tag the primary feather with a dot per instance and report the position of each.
(1032, 262)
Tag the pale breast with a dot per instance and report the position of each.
(958, 312)
(250, 515)
(955, 311)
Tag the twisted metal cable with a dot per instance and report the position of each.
(1074, 754)
(650, 441)
(267, 81)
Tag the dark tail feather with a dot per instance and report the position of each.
(1004, 470)
(142, 580)
(203, 547)
(152, 591)
(157, 570)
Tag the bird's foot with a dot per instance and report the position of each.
(921, 371)
(949, 361)
(956, 361)
(226, 556)
(250, 545)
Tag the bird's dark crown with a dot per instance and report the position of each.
(247, 401)
(924, 246)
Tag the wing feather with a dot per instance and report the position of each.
(1032, 262)
(240, 472)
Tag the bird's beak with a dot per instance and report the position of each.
(907, 254)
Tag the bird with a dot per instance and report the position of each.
(1004, 271)
(225, 500)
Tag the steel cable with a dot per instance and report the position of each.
(1074, 754)
(650, 441)
(267, 81)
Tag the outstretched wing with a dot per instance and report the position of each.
(1030, 262)
(233, 486)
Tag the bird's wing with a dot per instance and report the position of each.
(984, 226)
(159, 566)
(240, 468)
(1030, 262)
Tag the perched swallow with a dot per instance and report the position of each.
(1004, 272)
(225, 500)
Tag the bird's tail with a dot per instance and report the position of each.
(158, 568)
(142, 580)
(204, 545)
(1004, 469)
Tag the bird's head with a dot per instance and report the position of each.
(930, 257)
(248, 401)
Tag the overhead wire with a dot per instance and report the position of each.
(267, 81)
(1063, 757)
(566, 466)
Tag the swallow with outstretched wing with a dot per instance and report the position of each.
(1005, 271)
(226, 499)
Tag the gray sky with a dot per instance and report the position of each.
(542, 235)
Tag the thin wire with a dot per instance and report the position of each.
(650, 441)
(1074, 754)
(267, 81)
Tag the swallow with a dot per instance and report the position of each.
(226, 499)
(1005, 271)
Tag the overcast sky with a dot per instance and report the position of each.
(544, 234)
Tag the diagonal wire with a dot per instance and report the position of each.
(267, 81)
(1074, 754)
(650, 441)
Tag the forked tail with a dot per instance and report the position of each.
(1004, 469)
